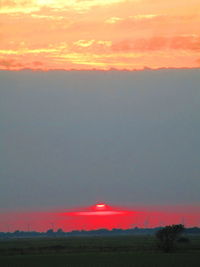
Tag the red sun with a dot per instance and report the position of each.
(100, 206)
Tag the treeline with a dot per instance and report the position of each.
(98, 232)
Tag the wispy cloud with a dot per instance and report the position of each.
(101, 34)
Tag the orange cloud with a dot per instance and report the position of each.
(100, 34)
(160, 43)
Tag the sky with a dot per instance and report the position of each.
(99, 34)
(99, 103)
(76, 138)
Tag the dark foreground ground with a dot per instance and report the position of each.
(135, 251)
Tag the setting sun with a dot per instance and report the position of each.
(100, 205)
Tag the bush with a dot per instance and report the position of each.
(167, 236)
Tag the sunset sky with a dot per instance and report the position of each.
(76, 138)
(124, 132)
(99, 34)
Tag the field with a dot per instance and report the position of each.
(135, 251)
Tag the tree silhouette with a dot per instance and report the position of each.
(50, 232)
(60, 232)
(167, 236)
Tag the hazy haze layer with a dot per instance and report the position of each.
(74, 138)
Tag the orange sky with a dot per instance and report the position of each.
(99, 34)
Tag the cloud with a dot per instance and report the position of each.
(10, 63)
(113, 20)
(93, 46)
(84, 43)
(8, 3)
(104, 43)
(139, 17)
(24, 6)
(26, 50)
(60, 33)
(49, 17)
(14, 64)
(19, 6)
(37, 63)
(186, 43)
(159, 43)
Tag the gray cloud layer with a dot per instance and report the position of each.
(73, 138)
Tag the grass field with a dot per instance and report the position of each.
(136, 251)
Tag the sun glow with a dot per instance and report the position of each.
(88, 219)
(100, 205)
